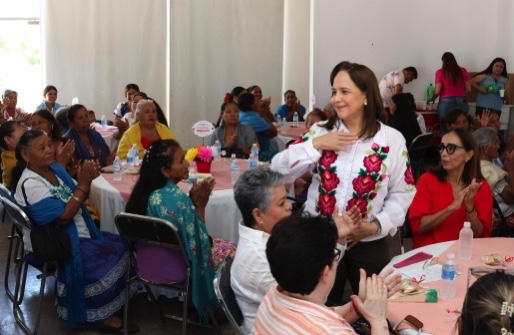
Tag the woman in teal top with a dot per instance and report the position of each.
(488, 83)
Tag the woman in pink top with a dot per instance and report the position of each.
(451, 85)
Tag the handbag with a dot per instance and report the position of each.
(50, 244)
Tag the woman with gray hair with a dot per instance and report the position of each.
(262, 199)
(500, 180)
(145, 132)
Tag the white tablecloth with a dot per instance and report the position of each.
(222, 215)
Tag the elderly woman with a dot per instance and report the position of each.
(498, 179)
(89, 144)
(157, 194)
(262, 199)
(302, 253)
(64, 149)
(145, 132)
(451, 193)
(233, 136)
(357, 162)
(9, 110)
(50, 100)
(49, 196)
(10, 133)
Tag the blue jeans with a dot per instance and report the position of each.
(447, 104)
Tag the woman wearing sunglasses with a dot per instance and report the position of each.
(451, 193)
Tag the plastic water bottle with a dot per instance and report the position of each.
(279, 121)
(234, 169)
(130, 159)
(135, 154)
(252, 161)
(430, 92)
(449, 278)
(466, 242)
(255, 151)
(117, 168)
(104, 123)
(193, 176)
(217, 147)
(284, 123)
(295, 120)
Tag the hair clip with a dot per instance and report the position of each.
(504, 331)
(507, 309)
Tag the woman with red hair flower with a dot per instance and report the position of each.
(357, 162)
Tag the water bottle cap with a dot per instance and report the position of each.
(451, 255)
(467, 224)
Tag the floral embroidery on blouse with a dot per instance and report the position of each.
(61, 190)
(305, 137)
(369, 180)
(328, 182)
(408, 175)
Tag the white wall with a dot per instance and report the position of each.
(393, 34)
(215, 46)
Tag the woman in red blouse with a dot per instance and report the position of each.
(452, 193)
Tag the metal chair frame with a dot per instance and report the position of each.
(226, 296)
(135, 228)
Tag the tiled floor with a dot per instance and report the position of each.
(142, 311)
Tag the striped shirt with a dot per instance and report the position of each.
(281, 314)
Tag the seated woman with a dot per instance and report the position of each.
(457, 119)
(292, 105)
(451, 193)
(488, 306)
(9, 110)
(156, 194)
(261, 126)
(233, 136)
(50, 100)
(49, 196)
(89, 144)
(498, 179)
(64, 148)
(404, 118)
(144, 132)
(10, 133)
(232, 96)
(313, 117)
(261, 197)
(303, 255)
(262, 105)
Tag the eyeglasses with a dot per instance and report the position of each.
(337, 254)
(450, 148)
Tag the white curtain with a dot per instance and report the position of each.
(215, 46)
(93, 48)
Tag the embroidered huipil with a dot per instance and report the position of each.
(373, 174)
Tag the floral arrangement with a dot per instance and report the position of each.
(199, 153)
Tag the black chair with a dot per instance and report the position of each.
(24, 226)
(135, 228)
(226, 296)
(503, 230)
(417, 152)
(404, 231)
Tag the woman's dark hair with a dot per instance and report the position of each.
(366, 81)
(61, 115)
(56, 128)
(452, 116)
(298, 250)
(246, 101)
(48, 89)
(290, 91)
(24, 144)
(140, 94)
(72, 112)
(236, 91)
(489, 69)
(471, 167)
(130, 87)
(316, 112)
(404, 119)
(157, 156)
(6, 130)
(251, 88)
(483, 303)
(451, 68)
(160, 113)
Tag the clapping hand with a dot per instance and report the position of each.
(346, 222)
(232, 142)
(88, 171)
(374, 305)
(200, 192)
(482, 120)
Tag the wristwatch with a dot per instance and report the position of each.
(377, 222)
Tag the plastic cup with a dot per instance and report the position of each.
(502, 93)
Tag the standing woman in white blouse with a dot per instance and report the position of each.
(357, 162)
